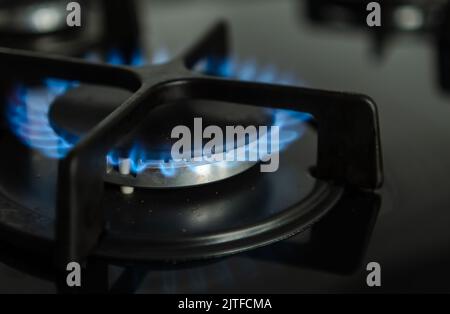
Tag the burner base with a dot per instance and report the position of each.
(184, 176)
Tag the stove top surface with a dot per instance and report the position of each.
(404, 227)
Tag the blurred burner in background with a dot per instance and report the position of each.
(416, 17)
(29, 17)
(41, 26)
(398, 16)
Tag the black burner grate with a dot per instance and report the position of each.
(349, 150)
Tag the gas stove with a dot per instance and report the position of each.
(352, 177)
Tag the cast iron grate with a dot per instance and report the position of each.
(349, 150)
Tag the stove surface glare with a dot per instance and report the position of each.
(28, 107)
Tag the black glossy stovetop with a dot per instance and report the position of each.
(404, 227)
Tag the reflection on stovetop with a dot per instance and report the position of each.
(335, 245)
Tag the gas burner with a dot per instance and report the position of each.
(218, 219)
(145, 160)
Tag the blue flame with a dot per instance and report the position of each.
(28, 107)
(115, 57)
(27, 111)
(246, 69)
(138, 58)
(291, 123)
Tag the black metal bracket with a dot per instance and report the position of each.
(349, 149)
